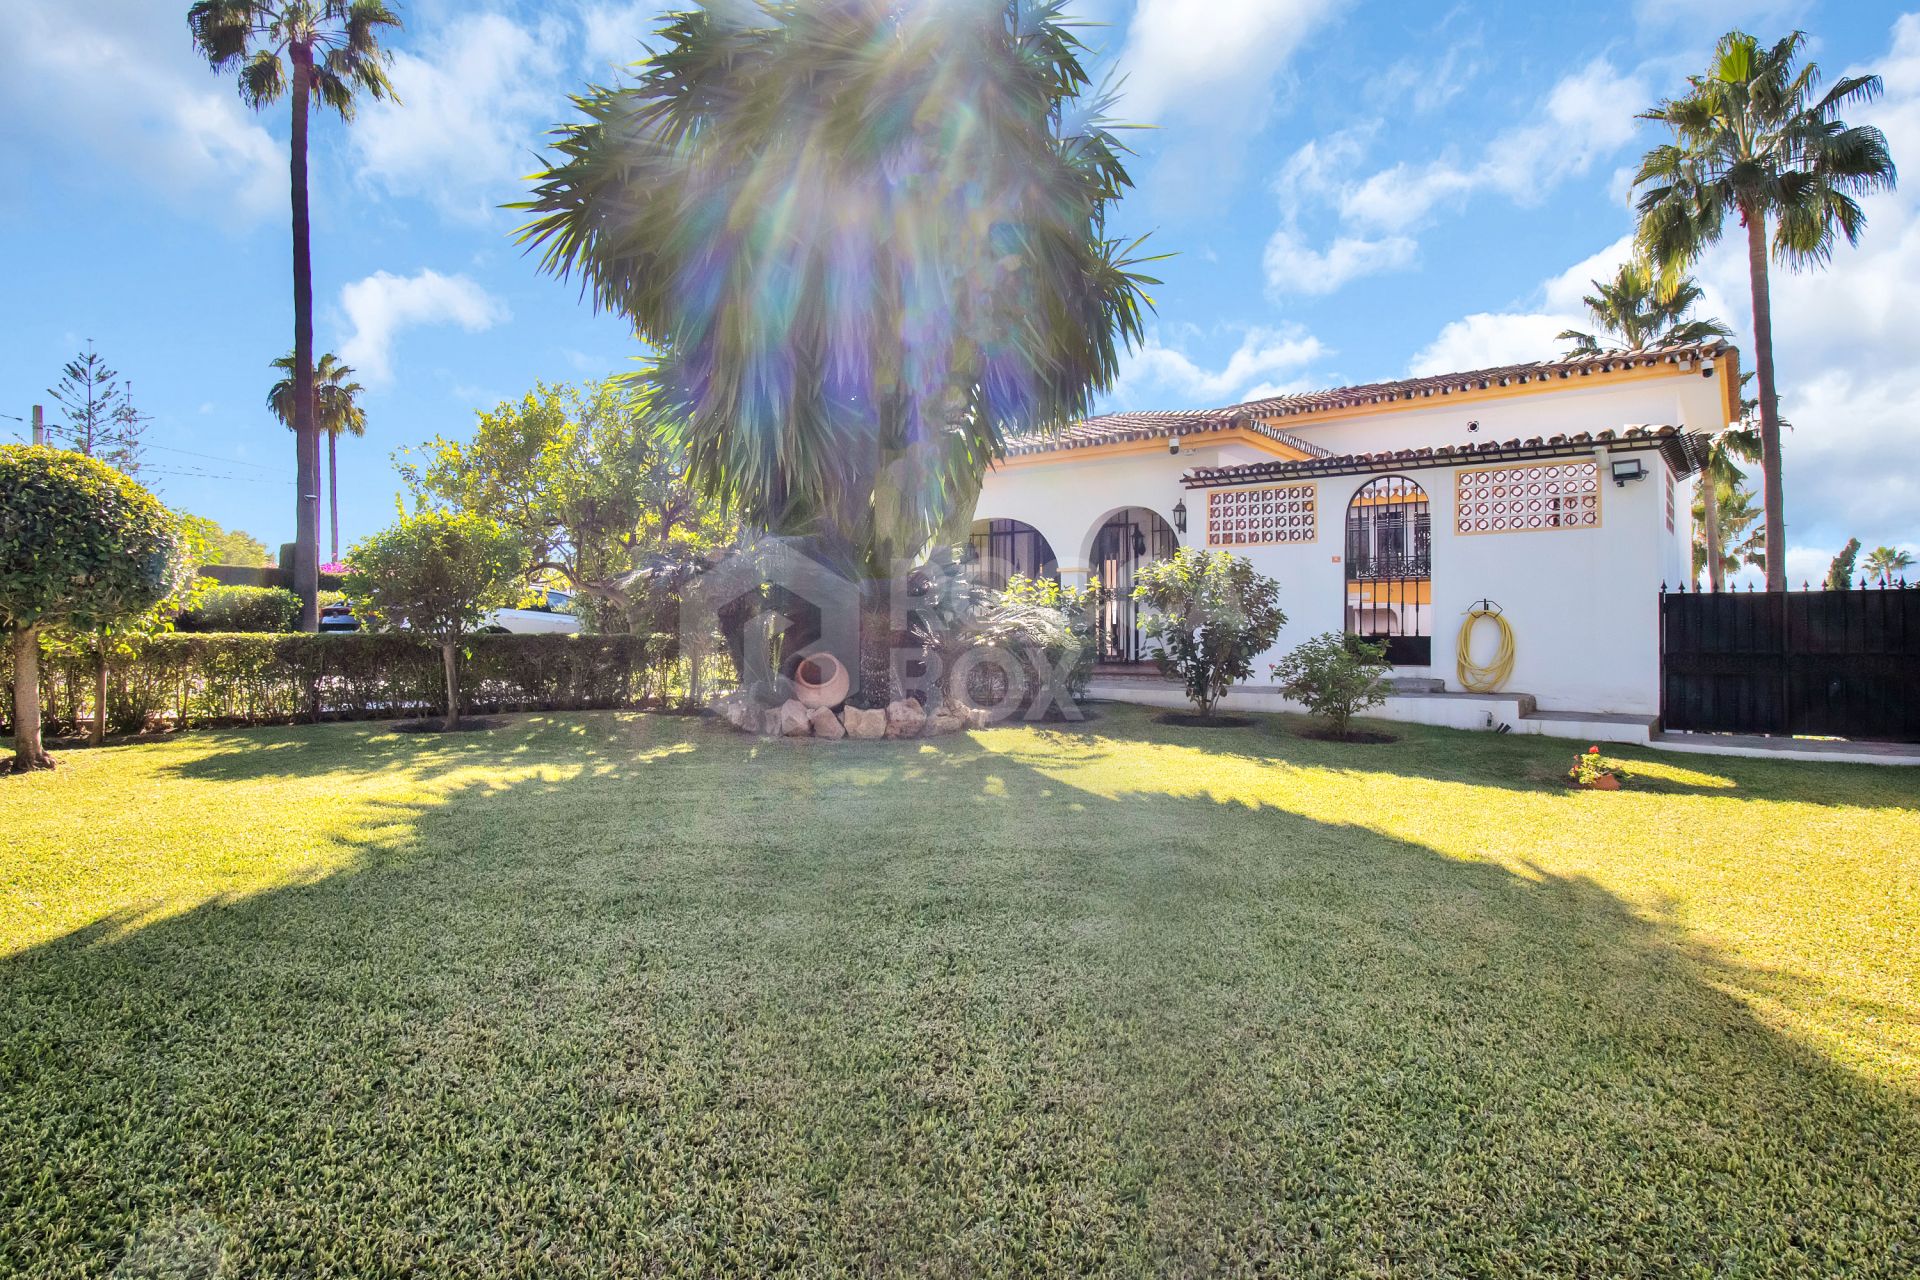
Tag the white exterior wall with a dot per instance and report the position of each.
(1595, 403)
(1583, 603)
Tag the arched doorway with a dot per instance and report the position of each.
(1127, 539)
(999, 549)
(1389, 590)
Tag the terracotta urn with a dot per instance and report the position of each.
(1605, 782)
(820, 680)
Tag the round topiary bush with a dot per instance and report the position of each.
(81, 546)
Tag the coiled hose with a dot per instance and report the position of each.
(1475, 678)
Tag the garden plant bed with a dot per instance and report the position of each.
(1194, 720)
(1353, 737)
(599, 992)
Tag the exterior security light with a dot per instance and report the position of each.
(1625, 469)
(1180, 516)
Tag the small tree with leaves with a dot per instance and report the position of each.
(82, 547)
(1211, 616)
(1336, 677)
(1840, 571)
(435, 574)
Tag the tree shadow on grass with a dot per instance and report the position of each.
(690, 1003)
(1528, 762)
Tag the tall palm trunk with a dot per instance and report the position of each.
(1710, 517)
(306, 538)
(333, 493)
(27, 751)
(1772, 491)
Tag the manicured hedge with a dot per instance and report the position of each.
(209, 680)
(232, 609)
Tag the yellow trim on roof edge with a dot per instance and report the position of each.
(1534, 386)
(1158, 444)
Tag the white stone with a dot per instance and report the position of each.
(905, 719)
(865, 724)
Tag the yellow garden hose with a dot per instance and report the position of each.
(1488, 679)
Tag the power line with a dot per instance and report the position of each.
(211, 457)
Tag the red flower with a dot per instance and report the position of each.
(1593, 751)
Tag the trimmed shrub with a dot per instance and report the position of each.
(1336, 677)
(1210, 616)
(241, 609)
(201, 680)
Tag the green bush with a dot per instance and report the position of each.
(241, 609)
(1039, 623)
(200, 680)
(1211, 616)
(1336, 677)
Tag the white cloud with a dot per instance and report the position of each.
(1183, 57)
(1293, 267)
(613, 33)
(1428, 86)
(123, 88)
(1582, 119)
(1515, 337)
(474, 104)
(1266, 361)
(1488, 339)
(383, 304)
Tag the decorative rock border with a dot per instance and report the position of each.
(904, 718)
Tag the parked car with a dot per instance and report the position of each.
(338, 617)
(554, 618)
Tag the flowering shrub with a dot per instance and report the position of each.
(1589, 767)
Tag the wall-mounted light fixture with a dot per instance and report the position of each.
(1625, 469)
(1173, 444)
(1180, 516)
(1139, 544)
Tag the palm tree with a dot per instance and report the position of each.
(334, 49)
(336, 409)
(1885, 563)
(1632, 314)
(1752, 142)
(869, 241)
(1738, 540)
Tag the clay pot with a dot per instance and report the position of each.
(1605, 782)
(820, 680)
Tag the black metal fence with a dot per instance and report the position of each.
(1841, 664)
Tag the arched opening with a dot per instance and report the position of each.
(1000, 549)
(1127, 539)
(1389, 563)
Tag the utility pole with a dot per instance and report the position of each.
(39, 425)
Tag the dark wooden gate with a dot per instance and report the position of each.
(1840, 664)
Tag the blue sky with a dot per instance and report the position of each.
(1355, 189)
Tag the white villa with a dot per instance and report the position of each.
(1559, 491)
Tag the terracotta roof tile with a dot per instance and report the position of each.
(1685, 451)
(1115, 428)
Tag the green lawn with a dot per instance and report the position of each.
(603, 994)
